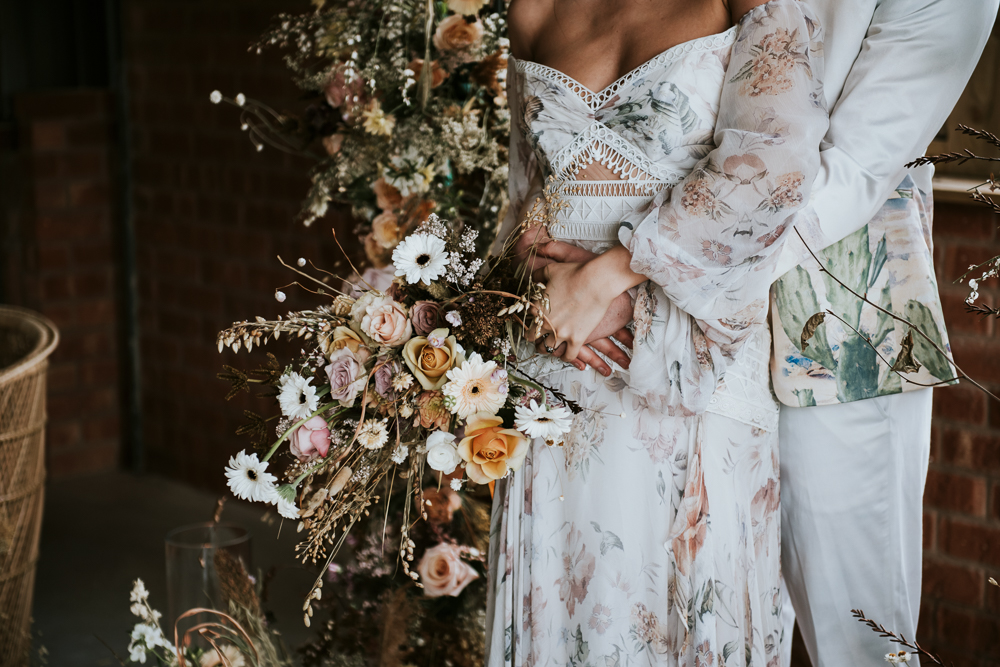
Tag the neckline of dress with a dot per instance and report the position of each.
(690, 46)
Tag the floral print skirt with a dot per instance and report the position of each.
(645, 539)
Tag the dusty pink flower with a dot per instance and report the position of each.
(426, 317)
(443, 504)
(310, 440)
(443, 572)
(347, 376)
(716, 251)
(338, 90)
(387, 196)
(386, 323)
(431, 410)
(333, 143)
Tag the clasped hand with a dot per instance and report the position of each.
(583, 315)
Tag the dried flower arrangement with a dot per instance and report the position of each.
(394, 139)
(418, 386)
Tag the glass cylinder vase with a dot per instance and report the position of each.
(192, 577)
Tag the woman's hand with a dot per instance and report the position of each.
(580, 294)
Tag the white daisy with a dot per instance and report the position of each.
(399, 454)
(373, 434)
(297, 398)
(420, 257)
(248, 479)
(541, 421)
(284, 498)
(472, 389)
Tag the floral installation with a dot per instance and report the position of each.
(379, 616)
(393, 139)
(421, 384)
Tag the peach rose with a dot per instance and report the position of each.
(438, 75)
(333, 143)
(376, 254)
(429, 363)
(457, 32)
(386, 323)
(385, 230)
(443, 572)
(489, 450)
(387, 197)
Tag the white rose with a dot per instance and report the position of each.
(442, 454)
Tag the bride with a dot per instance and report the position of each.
(650, 536)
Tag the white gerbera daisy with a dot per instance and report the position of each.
(373, 434)
(298, 398)
(248, 479)
(284, 498)
(541, 421)
(420, 257)
(473, 389)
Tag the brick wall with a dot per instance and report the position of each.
(58, 231)
(960, 615)
(211, 214)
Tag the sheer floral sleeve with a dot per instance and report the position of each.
(525, 176)
(709, 246)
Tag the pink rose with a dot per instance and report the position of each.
(347, 376)
(386, 323)
(426, 317)
(310, 440)
(338, 91)
(457, 33)
(443, 572)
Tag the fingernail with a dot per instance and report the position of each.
(606, 372)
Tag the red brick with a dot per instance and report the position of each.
(53, 257)
(958, 493)
(62, 376)
(930, 530)
(51, 194)
(88, 133)
(61, 435)
(974, 632)
(976, 451)
(83, 460)
(93, 283)
(95, 193)
(47, 135)
(960, 220)
(969, 541)
(101, 428)
(67, 103)
(953, 583)
(72, 224)
(961, 402)
(56, 287)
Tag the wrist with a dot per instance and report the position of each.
(610, 275)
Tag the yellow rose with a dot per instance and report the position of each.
(343, 337)
(429, 363)
(489, 450)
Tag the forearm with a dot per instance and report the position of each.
(611, 274)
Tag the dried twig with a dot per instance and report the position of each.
(893, 637)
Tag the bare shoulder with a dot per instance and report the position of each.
(739, 8)
(525, 19)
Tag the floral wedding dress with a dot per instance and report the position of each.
(651, 536)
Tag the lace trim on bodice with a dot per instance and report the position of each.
(599, 143)
(593, 210)
(596, 100)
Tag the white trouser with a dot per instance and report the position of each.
(852, 486)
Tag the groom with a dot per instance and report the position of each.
(855, 436)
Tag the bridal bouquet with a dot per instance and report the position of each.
(418, 381)
(409, 110)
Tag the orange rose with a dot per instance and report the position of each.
(431, 411)
(489, 450)
(438, 75)
(387, 197)
(385, 230)
(456, 33)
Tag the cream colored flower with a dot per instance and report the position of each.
(373, 434)
(466, 7)
(473, 389)
(378, 122)
(234, 658)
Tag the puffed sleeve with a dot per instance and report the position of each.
(709, 246)
(524, 177)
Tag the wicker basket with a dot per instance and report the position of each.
(26, 340)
